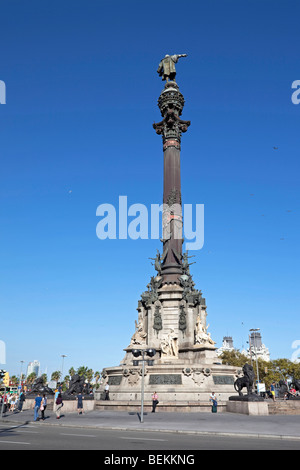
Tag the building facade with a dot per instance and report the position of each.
(33, 367)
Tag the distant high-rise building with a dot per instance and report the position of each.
(226, 346)
(257, 350)
(33, 367)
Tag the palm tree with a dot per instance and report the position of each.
(67, 380)
(82, 371)
(56, 375)
(31, 378)
(14, 380)
(97, 376)
(72, 371)
(89, 375)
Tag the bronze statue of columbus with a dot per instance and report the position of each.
(166, 68)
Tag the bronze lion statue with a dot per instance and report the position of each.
(246, 381)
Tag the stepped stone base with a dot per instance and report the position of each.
(284, 407)
(178, 407)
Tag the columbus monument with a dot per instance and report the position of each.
(171, 313)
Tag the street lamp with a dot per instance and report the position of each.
(249, 342)
(20, 382)
(254, 330)
(141, 352)
(62, 365)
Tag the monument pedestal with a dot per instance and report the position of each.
(251, 404)
(174, 380)
(70, 406)
(255, 408)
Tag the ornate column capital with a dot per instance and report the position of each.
(171, 104)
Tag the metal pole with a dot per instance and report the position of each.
(62, 366)
(20, 382)
(250, 350)
(256, 361)
(254, 330)
(3, 401)
(142, 393)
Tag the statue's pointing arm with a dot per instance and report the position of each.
(177, 56)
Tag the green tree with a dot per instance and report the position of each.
(67, 381)
(97, 376)
(234, 358)
(14, 380)
(72, 371)
(31, 378)
(56, 375)
(89, 375)
(269, 371)
(82, 371)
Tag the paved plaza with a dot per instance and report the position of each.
(221, 424)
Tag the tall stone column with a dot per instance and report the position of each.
(171, 312)
(171, 104)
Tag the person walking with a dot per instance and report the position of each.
(12, 403)
(5, 403)
(80, 403)
(9, 401)
(272, 390)
(43, 406)
(37, 406)
(21, 401)
(154, 402)
(59, 405)
(214, 401)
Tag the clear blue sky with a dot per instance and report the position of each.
(82, 93)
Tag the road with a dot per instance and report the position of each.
(43, 437)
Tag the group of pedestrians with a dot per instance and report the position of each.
(11, 402)
(40, 405)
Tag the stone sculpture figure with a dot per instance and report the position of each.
(187, 283)
(186, 264)
(151, 295)
(166, 68)
(157, 262)
(169, 344)
(201, 335)
(139, 337)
